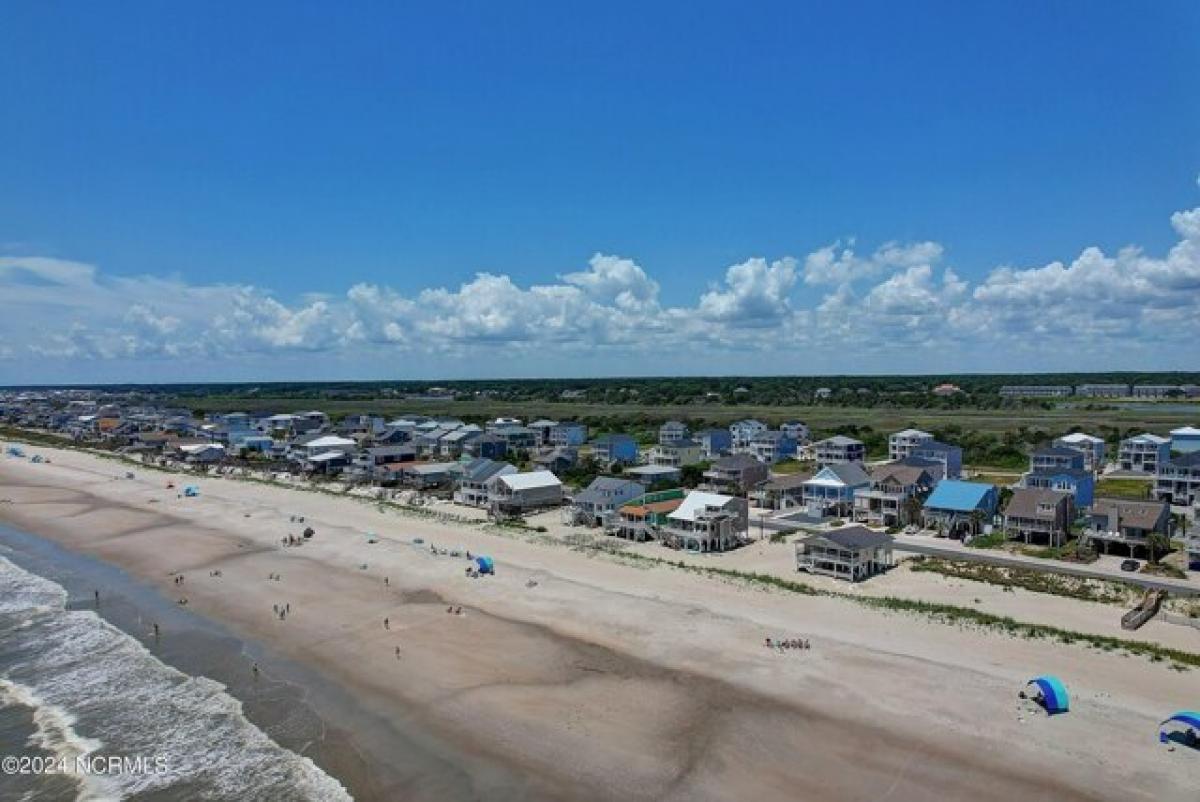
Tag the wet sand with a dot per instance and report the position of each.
(603, 681)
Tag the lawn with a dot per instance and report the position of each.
(1124, 488)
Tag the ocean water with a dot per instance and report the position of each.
(114, 722)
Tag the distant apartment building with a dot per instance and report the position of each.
(1143, 453)
(1156, 390)
(901, 444)
(1035, 391)
(1102, 390)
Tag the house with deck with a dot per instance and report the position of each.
(949, 456)
(735, 474)
(830, 491)
(894, 495)
(615, 449)
(600, 499)
(1143, 453)
(1056, 458)
(714, 442)
(853, 553)
(1177, 481)
(1093, 449)
(902, 443)
(472, 486)
(675, 454)
(706, 522)
(568, 434)
(672, 432)
(640, 519)
(519, 493)
(781, 492)
(1038, 514)
(1125, 522)
(742, 431)
(839, 450)
(771, 446)
(1076, 481)
(958, 509)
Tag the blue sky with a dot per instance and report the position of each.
(233, 174)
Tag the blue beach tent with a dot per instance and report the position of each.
(1054, 693)
(486, 566)
(1177, 726)
(191, 491)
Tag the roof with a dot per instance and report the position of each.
(901, 473)
(839, 440)
(853, 537)
(1080, 437)
(1185, 431)
(193, 448)
(601, 485)
(697, 501)
(329, 441)
(327, 456)
(912, 433)
(422, 468)
(482, 469)
(611, 483)
(673, 424)
(1135, 514)
(654, 507)
(530, 480)
(1147, 438)
(735, 462)
(959, 496)
(850, 473)
(652, 470)
(788, 482)
(1026, 500)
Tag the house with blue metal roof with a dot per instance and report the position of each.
(959, 508)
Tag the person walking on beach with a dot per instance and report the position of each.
(397, 652)
(96, 593)
(254, 669)
(287, 608)
(385, 581)
(386, 624)
(156, 630)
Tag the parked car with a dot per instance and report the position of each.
(1130, 565)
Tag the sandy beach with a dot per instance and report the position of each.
(571, 676)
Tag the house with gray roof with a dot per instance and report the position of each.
(838, 450)
(472, 486)
(853, 553)
(1126, 522)
(603, 497)
(1035, 513)
(735, 474)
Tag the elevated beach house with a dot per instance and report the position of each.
(853, 553)
(957, 509)
(894, 496)
(830, 491)
(706, 522)
(1143, 453)
(1035, 513)
(615, 449)
(641, 518)
(839, 450)
(602, 498)
(902, 443)
(1178, 480)
(518, 493)
(736, 474)
(1126, 522)
(472, 488)
(1092, 447)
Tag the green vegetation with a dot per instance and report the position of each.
(993, 541)
(1097, 590)
(1123, 488)
(791, 466)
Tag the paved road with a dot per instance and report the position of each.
(1173, 586)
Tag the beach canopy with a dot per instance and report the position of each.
(1177, 726)
(486, 566)
(1053, 692)
(191, 490)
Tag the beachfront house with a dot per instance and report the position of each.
(202, 453)
(430, 475)
(1177, 481)
(472, 486)
(675, 454)
(830, 491)
(957, 509)
(1035, 513)
(640, 519)
(672, 432)
(615, 449)
(735, 474)
(1092, 448)
(602, 497)
(714, 442)
(1126, 522)
(781, 492)
(853, 553)
(308, 447)
(519, 493)
(902, 443)
(706, 522)
(894, 495)
(1185, 439)
(839, 450)
(1143, 453)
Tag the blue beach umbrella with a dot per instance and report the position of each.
(1175, 728)
(1054, 694)
(486, 566)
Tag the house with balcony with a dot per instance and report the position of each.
(742, 431)
(706, 522)
(542, 427)
(796, 429)
(853, 553)
(486, 445)
(902, 443)
(472, 486)
(557, 460)
(602, 498)
(771, 446)
(1092, 448)
(568, 435)
(1177, 481)
(672, 432)
(957, 509)
(830, 491)
(430, 475)
(517, 438)
(838, 450)
(453, 445)
(1055, 458)
(615, 449)
(1192, 545)
(782, 492)
(1143, 453)
(519, 493)
(1079, 483)
(642, 518)
(714, 442)
(1127, 523)
(894, 495)
(948, 456)
(736, 474)
(675, 454)
(1038, 514)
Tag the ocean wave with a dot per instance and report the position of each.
(78, 672)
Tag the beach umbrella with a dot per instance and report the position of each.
(486, 566)
(1053, 693)
(1178, 726)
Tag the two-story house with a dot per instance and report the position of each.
(1092, 448)
(894, 496)
(1037, 513)
(902, 443)
(1177, 481)
(714, 442)
(735, 474)
(743, 431)
(1143, 453)
(831, 489)
(675, 454)
(672, 432)
(615, 449)
(771, 446)
(1126, 522)
(603, 497)
(838, 450)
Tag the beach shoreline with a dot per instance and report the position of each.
(572, 677)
